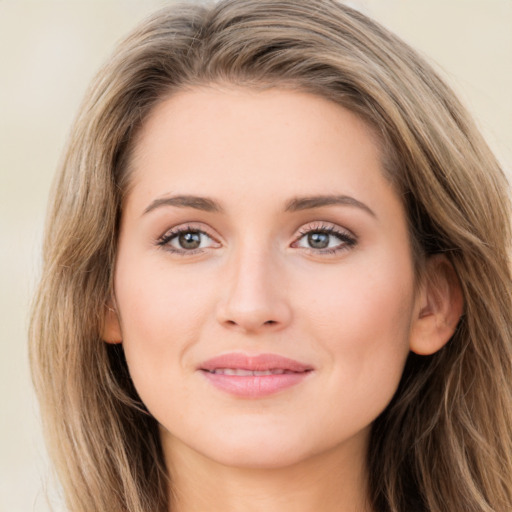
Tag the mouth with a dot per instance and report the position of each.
(254, 376)
(239, 362)
(249, 373)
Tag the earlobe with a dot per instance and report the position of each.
(439, 307)
(111, 330)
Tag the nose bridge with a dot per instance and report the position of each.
(255, 297)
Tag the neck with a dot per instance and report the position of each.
(324, 482)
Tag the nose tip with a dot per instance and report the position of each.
(254, 301)
(253, 321)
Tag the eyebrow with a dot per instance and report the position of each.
(310, 202)
(196, 202)
(293, 205)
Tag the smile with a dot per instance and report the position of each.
(254, 376)
(249, 373)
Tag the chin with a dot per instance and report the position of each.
(247, 447)
(260, 454)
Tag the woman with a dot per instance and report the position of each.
(276, 275)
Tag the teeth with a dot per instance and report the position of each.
(247, 373)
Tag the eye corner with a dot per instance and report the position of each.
(188, 239)
(330, 239)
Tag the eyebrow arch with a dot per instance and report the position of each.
(310, 202)
(185, 201)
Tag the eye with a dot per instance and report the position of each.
(325, 239)
(186, 240)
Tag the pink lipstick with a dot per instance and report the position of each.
(254, 376)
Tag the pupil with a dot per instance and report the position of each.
(189, 240)
(318, 240)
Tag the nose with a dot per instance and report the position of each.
(255, 298)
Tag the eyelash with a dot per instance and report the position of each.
(165, 240)
(346, 238)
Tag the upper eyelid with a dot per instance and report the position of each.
(324, 226)
(164, 241)
(346, 236)
(317, 225)
(189, 226)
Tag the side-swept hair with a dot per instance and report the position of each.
(444, 443)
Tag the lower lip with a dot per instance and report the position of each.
(254, 386)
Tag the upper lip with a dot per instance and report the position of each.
(258, 362)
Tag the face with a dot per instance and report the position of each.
(264, 282)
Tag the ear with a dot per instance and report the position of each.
(439, 307)
(111, 330)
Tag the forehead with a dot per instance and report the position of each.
(253, 154)
(204, 133)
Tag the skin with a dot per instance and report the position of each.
(352, 311)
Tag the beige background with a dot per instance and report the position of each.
(49, 51)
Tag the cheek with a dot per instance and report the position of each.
(363, 319)
(156, 298)
(161, 315)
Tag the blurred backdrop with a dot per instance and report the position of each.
(49, 51)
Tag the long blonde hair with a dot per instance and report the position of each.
(445, 440)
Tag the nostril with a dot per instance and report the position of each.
(249, 325)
